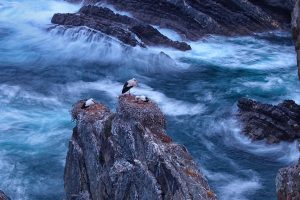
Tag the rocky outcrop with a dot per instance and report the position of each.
(128, 30)
(128, 155)
(3, 196)
(288, 183)
(273, 123)
(189, 18)
(193, 19)
(296, 32)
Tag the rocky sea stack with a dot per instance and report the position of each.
(273, 123)
(128, 155)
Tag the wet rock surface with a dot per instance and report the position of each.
(288, 183)
(274, 123)
(3, 196)
(189, 18)
(193, 19)
(128, 155)
(128, 30)
(296, 32)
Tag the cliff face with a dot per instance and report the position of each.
(288, 183)
(296, 31)
(275, 123)
(127, 155)
(189, 18)
(3, 196)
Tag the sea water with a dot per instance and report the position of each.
(44, 71)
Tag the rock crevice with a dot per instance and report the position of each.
(127, 155)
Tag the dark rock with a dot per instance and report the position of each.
(128, 30)
(288, 183)
(273, 123)
(127, 155)
(193, 19)
(190, 18)
(3, 196)
(296, 32)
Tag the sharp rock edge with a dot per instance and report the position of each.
(127, 155)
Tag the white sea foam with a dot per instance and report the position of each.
(169, 106)
(11, 93)
(239, 52)
(283, 152)
(269, 83)
(12, 177)
(232, 186)
(173, 35)
(111, 7)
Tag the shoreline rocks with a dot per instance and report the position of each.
(195, 19)
(275, 123)
(296, 32)
(192, 20)
(3, 196)
(128, 155)
(288, 183)
(126, 29)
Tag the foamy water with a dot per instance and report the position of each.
(44, 72)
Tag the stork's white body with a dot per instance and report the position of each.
(128, 85)
(89, 102)
(142, 98)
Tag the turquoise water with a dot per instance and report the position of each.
(42, 73)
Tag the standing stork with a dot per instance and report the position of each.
(128, 85)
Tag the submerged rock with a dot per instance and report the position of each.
(128, 155)
(128, 30)
(288, 183)
(296, 32)
(3, 196)
(273, 123)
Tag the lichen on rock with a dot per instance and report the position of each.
(128, 155)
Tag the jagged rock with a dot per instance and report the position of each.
(288, 183)
(194, 19)
(3, 196)
(296, 32)
(127, 155)
(128, 30)
(273, 123)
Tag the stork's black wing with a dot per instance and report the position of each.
(126, 88)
